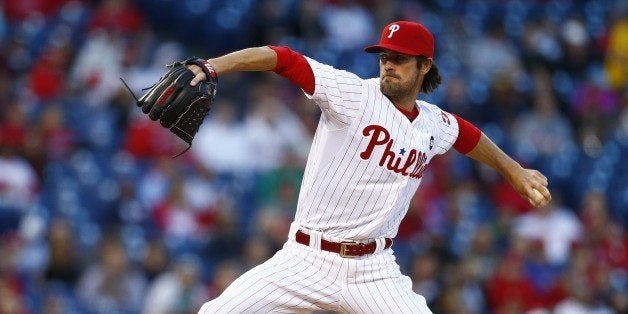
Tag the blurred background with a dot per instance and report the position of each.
(96, 217)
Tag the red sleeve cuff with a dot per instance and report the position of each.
(468, 135)
(293, 66)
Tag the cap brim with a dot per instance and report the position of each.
(395, 48)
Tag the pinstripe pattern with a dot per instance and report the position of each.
(365, 164)
(301, 279)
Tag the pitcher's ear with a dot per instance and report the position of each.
(424, 64)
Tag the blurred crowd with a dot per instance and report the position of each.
(96, 217)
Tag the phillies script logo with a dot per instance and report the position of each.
(414, 163)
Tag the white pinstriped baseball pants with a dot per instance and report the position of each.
(300, 279)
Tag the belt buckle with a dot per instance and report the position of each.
(344, 250)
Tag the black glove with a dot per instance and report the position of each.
(178, 105)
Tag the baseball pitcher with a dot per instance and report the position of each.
(372, 145)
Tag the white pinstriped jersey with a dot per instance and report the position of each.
(365, 164)
(367, 158)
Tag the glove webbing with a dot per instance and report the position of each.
(189, 122)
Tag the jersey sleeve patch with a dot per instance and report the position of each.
(446, 129)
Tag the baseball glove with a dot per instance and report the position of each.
(179, 106)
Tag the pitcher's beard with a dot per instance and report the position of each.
(393, 89)
(390, 89)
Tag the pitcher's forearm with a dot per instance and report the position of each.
(250, 59)
(529, 183)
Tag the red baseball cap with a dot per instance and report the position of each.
(405, 37)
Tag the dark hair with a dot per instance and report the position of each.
(432, 78)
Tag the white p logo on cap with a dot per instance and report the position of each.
(392, 28)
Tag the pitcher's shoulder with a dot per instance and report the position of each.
(425, 106)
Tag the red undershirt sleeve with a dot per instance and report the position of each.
(468, 136)
(293, 66)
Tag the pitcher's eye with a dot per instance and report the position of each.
(394, 58)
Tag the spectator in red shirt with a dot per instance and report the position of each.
(148, 140)
(49, 74)
(13, 128)
(508, 290)
(118, 17)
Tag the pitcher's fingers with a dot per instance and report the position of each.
(199, 75)
(541, 176)
(545, 192)
(534, 201)
(198, 78)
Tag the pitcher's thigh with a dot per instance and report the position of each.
(284, 283)
(392, 295)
